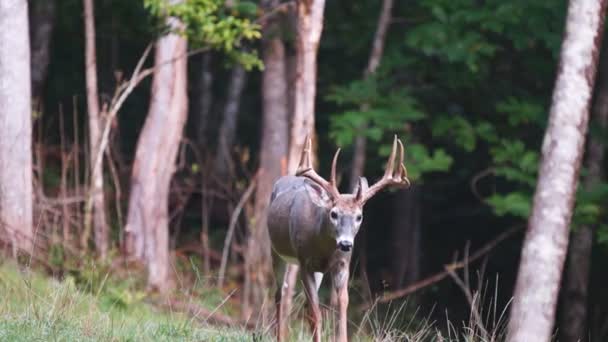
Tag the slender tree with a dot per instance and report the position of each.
(15, 126)
(147, 231)
(375, 57)
(96, 201)
(546, 242)
(405, 237)
(273, 158)
(309, 27)
(223, 163)
(573, 322)
(42, 23)
(358, 166)
(205, 98)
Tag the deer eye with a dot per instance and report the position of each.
(333, 214)
(359, 218)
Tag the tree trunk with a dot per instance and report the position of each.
(405, 240)
(546, 242)
(273, 155)
(42, 14)
(309, 27)
(100, 226)
(15, 126)
(224, 165)
(206, 98)
(147, 231)
(374, 61)
(358, 166)
(573, 325)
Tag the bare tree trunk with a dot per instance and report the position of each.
(42, 14)
(15, 126)
(309, 28)
(358, 166)
(546, 242)
(224, 165)
(405, 240)
(573, 320)
(100, 226)
(374, 61)
(147, 231)
(206, 98)
(273, 154)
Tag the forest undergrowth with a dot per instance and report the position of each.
(99, 303)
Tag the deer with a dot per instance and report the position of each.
(312, 224)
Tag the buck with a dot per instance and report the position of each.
(312, 224)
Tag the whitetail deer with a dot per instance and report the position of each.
(310, 223)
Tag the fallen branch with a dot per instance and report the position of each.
(390, 296)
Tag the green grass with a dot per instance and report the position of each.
(34, 307)
(93, 306)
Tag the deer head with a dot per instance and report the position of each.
(345, 211)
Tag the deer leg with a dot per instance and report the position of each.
(310, 288)
(340, 284)
(279, 274)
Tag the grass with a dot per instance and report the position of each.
(34, 307)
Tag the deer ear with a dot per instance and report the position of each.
(361, 188)
(317, 194)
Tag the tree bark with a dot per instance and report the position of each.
(573, 320)
(206, 98)
(360, 145)
(374, 61)
(546, 242)
(15, 126)
(42, 14)
(100, 226)
(405, 240)
(309, 27)
(147, 231)
(224, 165)
(273, 155)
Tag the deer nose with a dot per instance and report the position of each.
(345, 245)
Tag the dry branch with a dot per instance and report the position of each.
(233, 220)
(390, 296)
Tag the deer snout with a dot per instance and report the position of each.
(345, 245)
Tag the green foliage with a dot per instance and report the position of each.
(456, 128)
(210, 24)
(513, 203)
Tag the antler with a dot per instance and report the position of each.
(393, 175)
(305, 169)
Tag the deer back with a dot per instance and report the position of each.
(297, 218)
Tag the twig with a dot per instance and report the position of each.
(472, 299)
(442, 275)
(233, 220)
(477, 178)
